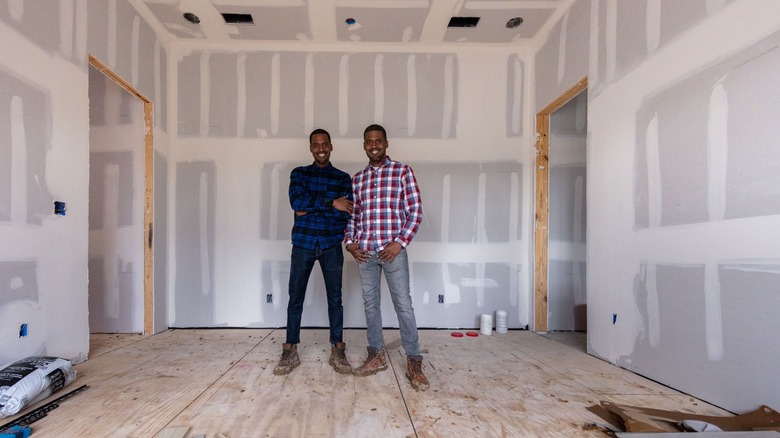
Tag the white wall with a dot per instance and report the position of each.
(45, 145)
(44, 157)
(683, 208)
(244, 113)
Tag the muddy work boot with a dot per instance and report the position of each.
(338, 358)
(374, 363)
(414, 372)
(289, 360)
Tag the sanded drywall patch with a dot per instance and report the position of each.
(286, 95)
(37, 20)
(644, 27)
(111, 182)
(458, 196)
(702, 154)
(469, 290)
(26, 139)
(111, 299)
(680, 294)
(563, 60)
(195, 235)
(19, 305)
(515, 83)
(677, 338)
(18, 281)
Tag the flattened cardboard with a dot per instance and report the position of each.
(641, 419)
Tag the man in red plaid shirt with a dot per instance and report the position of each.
(386, 215)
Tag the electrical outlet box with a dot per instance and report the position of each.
(269, 298)
(441, 299)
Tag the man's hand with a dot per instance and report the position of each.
(343, 204)
(300, 213)
(360, 255)
(388, 254)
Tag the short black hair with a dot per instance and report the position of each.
(375, 127)
(319, 131)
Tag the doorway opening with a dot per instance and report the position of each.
(559, 263)
(120, 205)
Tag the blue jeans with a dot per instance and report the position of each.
(397, 277)
(302, 261)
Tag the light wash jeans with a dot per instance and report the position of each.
(397, 277)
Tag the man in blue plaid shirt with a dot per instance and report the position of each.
(321, 197)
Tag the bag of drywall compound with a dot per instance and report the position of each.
(32, 379)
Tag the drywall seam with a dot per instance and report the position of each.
(241, 94)
(203, 203)
(449, 95)
(593, 43)
(653, 25)
(273, 226)
(715, 6)
(653, 173)
(712, 312)
(110, 241)
(135, 39)
(205, 94)
(276, 78)
(344, 95)
(82, 20)
(157, 80)
(514, 205)
(379, 89)
(717, 151)
(18, 162)
(308, 92)
(111, 23)
(66, 28)
(411, 95)
(653, 312)
(517, 96)
(562, 47)
(610, 35)
(16, 9)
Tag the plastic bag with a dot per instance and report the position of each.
(32, 379)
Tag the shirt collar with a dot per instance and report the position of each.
(385, 162)
(327, 166)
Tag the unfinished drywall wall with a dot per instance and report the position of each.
(116, 207)
(43, 124)
(244, 119)
(44, 157)
(682, 202)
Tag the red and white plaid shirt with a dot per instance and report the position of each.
(387, 206)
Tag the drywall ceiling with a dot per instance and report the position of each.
(375, 21)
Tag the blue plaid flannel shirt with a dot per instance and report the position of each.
(312, 188)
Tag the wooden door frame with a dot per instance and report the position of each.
(148, 189)
(542, 216)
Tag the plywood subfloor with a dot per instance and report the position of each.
(220, 383)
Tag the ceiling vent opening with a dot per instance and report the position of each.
(244, 19)
(463, 22)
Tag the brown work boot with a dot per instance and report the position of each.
(289, 360)
(374, 363)
(338, 358)
(414, 372)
